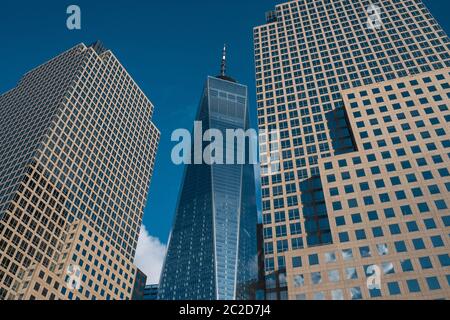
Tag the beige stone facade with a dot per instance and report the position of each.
(77, 149)
(388, 201)
(310, 57)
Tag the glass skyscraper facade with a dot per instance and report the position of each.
(361, 112)
(150, 292)
(212, 251)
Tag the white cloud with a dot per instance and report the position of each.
(150, 253)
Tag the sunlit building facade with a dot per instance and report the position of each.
(212, 252)
(360, 179)
(77, 149)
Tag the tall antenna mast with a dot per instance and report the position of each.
(223, 66)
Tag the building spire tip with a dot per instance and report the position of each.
(223, 66)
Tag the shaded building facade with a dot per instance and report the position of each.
(139, 286)
(151, 292)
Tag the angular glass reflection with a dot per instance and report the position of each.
(299, 280)
(316, 278)
(382, 249)
(337, 294)
(330, 257)
(355, 293)
(333, 275)
(351, 273)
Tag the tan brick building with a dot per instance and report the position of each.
(361, 182)
(388, 201)
(77, 149)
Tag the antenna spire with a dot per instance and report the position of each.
(223, 66)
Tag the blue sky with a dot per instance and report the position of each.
(169, 47)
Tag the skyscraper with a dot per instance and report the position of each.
(150, 292)
(358, 92)
(77, 148)
(139, 285)
(212, 252)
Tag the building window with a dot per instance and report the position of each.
(433, 283)
(413, 285)
(394, 288)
